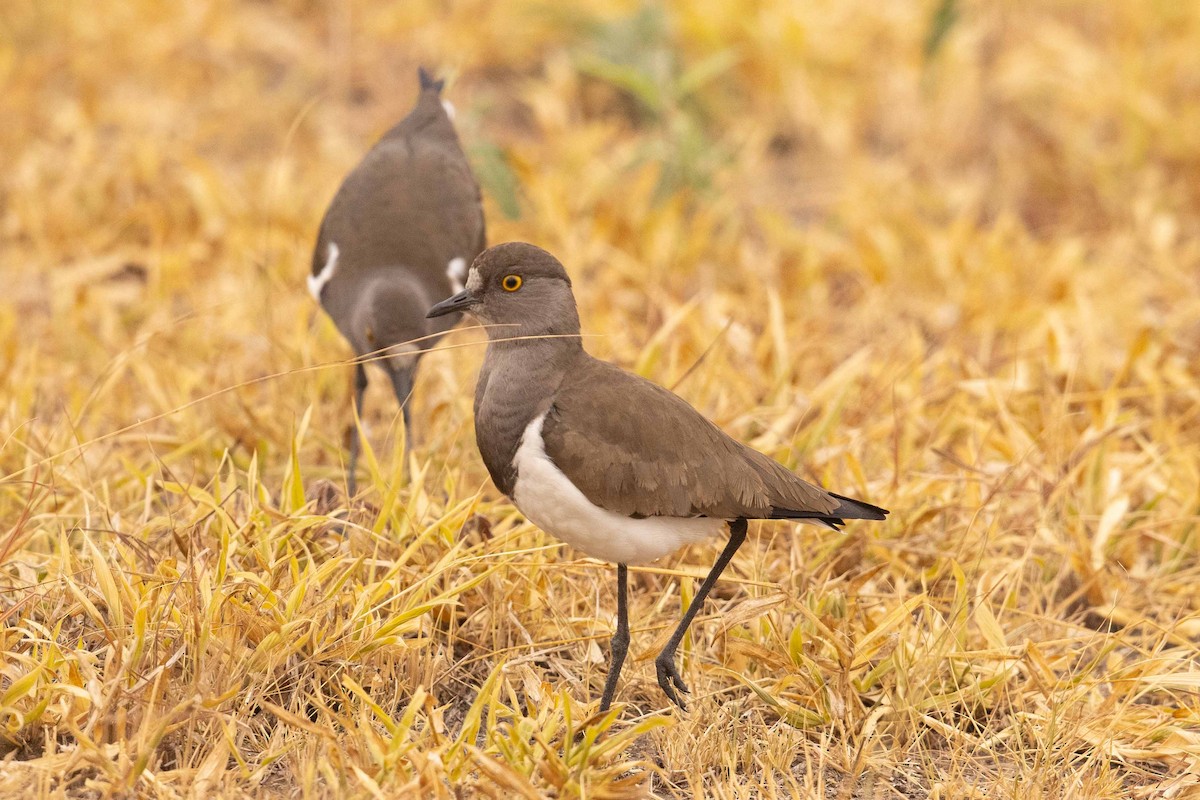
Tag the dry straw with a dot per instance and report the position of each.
(943, 256)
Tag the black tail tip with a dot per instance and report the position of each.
(428, 82)
(857, 509)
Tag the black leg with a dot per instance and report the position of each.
(402, 385)
(620, 639)
(360, 386)
(668, 675)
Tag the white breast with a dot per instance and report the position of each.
(550, 501)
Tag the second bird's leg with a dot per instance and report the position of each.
(360, 387)
(668, 674)
(402, 385)
(620, 639)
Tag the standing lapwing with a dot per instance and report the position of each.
(398, 235)
(603, 459)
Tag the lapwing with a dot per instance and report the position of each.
(605, 460)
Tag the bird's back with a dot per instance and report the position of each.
(410, 210)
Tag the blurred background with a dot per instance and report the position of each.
(943, 255)
(977, 170)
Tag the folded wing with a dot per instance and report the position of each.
(635, 448)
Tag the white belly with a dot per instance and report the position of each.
(550, 501)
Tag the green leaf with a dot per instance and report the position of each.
(943, 19)
(706, 70)
(625, 77)
(497, 178)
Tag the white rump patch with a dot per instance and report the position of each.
(316, 283)
(548, 498)
(450, 112)
(456, 271)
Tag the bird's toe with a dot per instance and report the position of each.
(669, 680)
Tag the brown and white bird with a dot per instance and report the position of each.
(399, 234)
(603, 459)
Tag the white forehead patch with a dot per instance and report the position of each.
(316, 283)
(456, 271)
(450, 112)
(474, 282)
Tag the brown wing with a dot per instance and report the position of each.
(443, 198)
(635, 448)
(410, 204)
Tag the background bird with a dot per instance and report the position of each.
(603, 459)
(398, 235)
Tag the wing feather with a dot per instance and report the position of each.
(635, 448)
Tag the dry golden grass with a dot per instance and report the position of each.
(944, 256)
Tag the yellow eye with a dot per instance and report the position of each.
(510, 283)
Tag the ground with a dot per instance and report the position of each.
(940, 255)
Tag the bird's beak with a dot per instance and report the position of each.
(459, 302)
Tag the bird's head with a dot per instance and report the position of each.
(517, 290)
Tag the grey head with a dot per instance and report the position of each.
(518, 291)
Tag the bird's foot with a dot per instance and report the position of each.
(669, 679)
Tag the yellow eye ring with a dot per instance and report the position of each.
(510, 283)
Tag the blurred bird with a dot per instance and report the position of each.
(603, 459)
(399, 234)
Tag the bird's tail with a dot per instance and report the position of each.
(857, 509)
(428, 82)
(848, 508)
